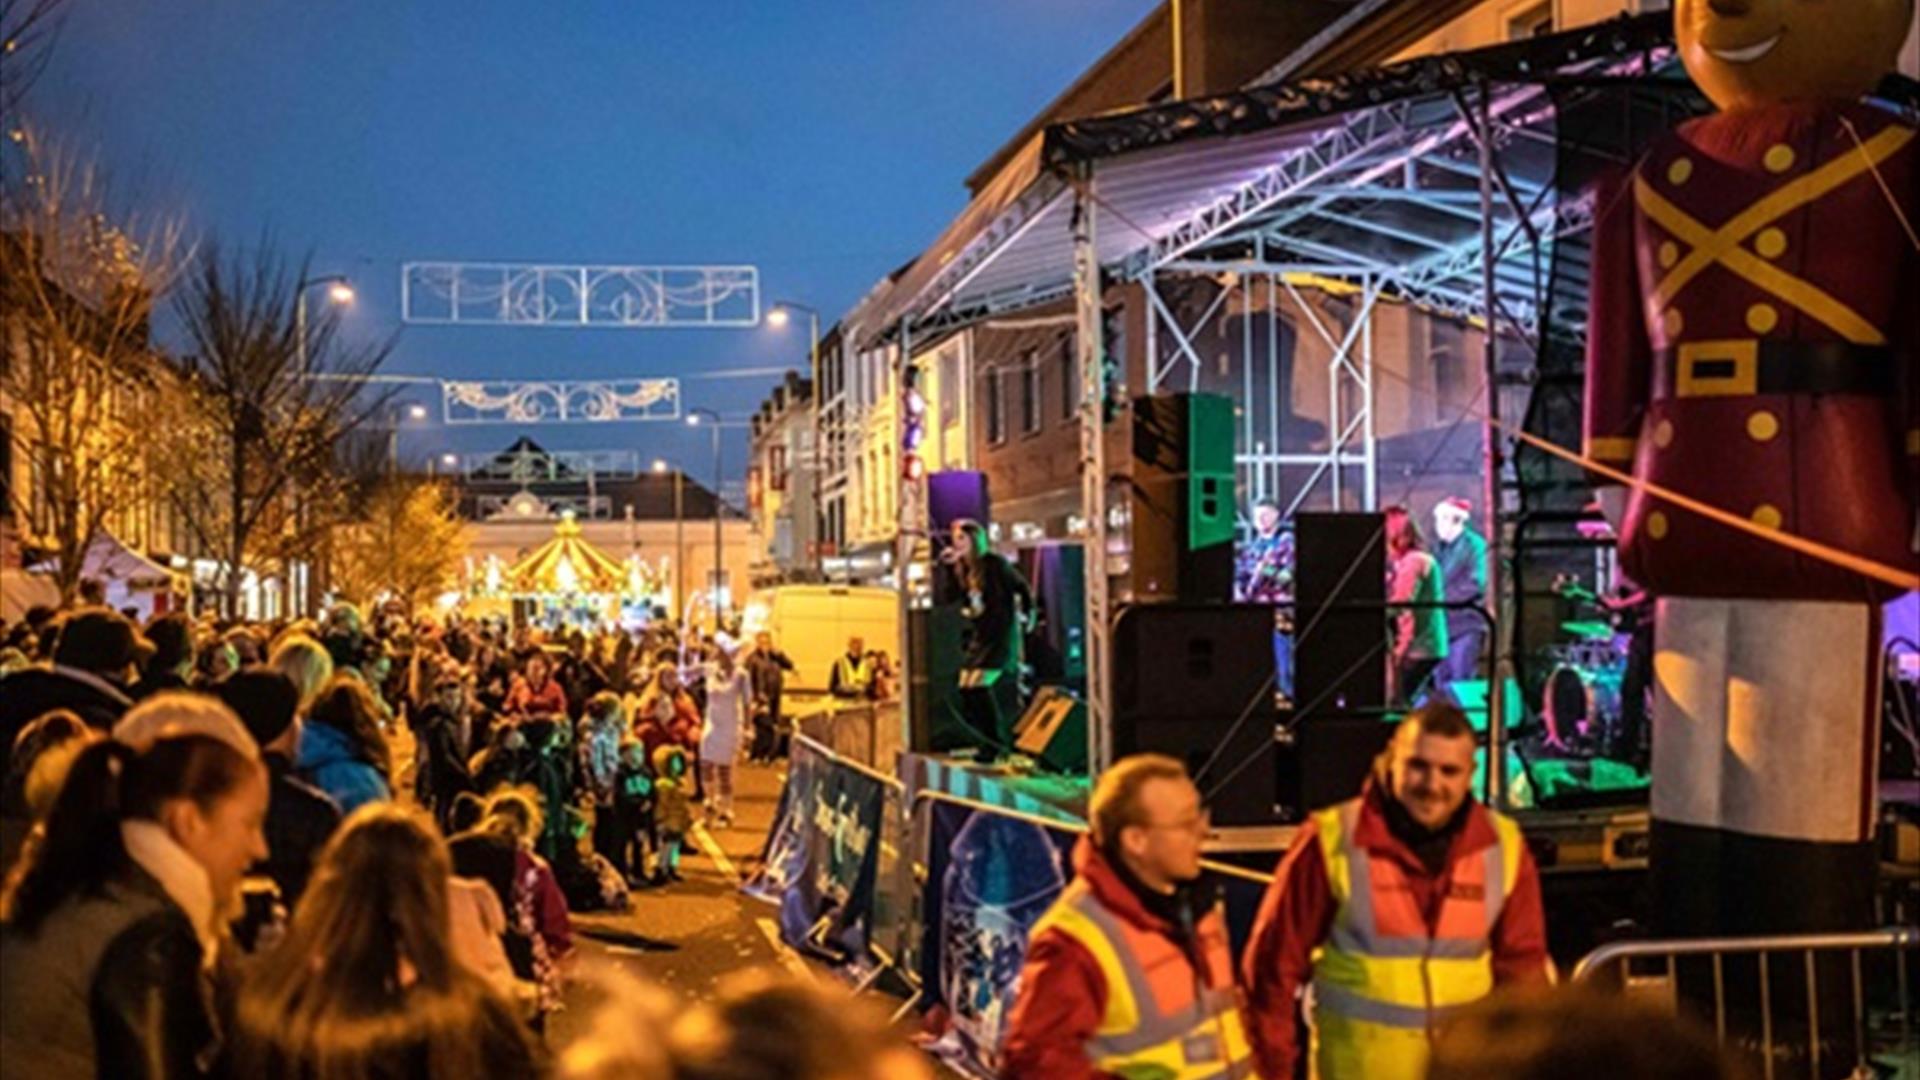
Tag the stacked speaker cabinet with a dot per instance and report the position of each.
(1183, 498)
(1195, 682)
(1339, 624)
(1339, 659)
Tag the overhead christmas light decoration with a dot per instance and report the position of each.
(621, 297)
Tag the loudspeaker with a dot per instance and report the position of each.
(1054, 730)
(1183, 503)
(935, 723)
(952, 495)
(1057, 573)
(1196, 683)
(1340, 642)
(1329, 760)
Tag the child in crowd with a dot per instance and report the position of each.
(632, 812)
(673, 808)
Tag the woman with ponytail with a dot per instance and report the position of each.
(367, 983)
(111, 923)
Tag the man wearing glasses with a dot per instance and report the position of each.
(1129, 973)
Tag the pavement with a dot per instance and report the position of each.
(705, 927)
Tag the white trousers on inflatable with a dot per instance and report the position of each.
(1766, 717)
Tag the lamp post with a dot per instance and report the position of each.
(339, 293)
(679, 541)
(414, 411)
(695, 418)
(780, 316)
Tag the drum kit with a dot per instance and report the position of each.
(1581, 699)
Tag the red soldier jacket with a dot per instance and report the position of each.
(1754, 312)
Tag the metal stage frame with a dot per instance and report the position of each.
(1430, 183)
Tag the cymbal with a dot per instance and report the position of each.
(1592, 631)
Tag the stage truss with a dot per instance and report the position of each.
(1430, 182)
(618, 297)
(608, 401)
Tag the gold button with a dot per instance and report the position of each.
(1669, 254)
(1673, 323)
(1763, 425)
(1770, 243)
(1779, 158)
(1762, 318)
(1767, 516)
(1679, 171)
(1663, 434)
(1657, 525)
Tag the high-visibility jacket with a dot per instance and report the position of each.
(1384, 979)
(1162, 1020)
(852, 676)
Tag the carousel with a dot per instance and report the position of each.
(568, 582)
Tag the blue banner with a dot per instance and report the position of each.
(989, 879)
(821, 856)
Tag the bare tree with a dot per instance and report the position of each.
(79, 274)
(27, 30)
(270, 405)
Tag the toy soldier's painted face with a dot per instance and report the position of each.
(1747, 53)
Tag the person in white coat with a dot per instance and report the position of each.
(729, 701)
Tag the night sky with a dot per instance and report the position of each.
(824, 142)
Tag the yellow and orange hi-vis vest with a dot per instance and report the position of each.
(1383, 981)
(1162, 1021)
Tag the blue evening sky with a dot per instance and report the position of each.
(825, 142)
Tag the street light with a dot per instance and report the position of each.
(414, 411)
(779, 316)
(696, 417)
(339, 293)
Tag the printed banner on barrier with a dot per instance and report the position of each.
(820, 860)
(989, 879)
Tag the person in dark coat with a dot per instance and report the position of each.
(95, 655)
(300, 817)
(110, 933)
(1462, 555)
(448, 737)
(171, 664)
(767, 669)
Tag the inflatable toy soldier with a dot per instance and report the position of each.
(1752, 347)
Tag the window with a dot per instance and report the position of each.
(949, 386)
(1069, 365)
(1531, 21)
(1030, 395)
(996, 408)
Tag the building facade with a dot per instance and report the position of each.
(783, 485)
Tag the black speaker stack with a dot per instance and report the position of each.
(1183, 498)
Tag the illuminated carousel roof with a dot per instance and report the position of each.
(566, 564)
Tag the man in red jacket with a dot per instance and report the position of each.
(1129, 973)
(1398, 907)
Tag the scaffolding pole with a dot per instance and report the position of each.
(1496, 560)
(1093, 472)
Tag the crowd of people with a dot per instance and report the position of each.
(353, 846)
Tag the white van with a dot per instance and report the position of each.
(811, 624)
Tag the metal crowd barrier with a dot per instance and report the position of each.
(1664, 958)
(864, 732)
